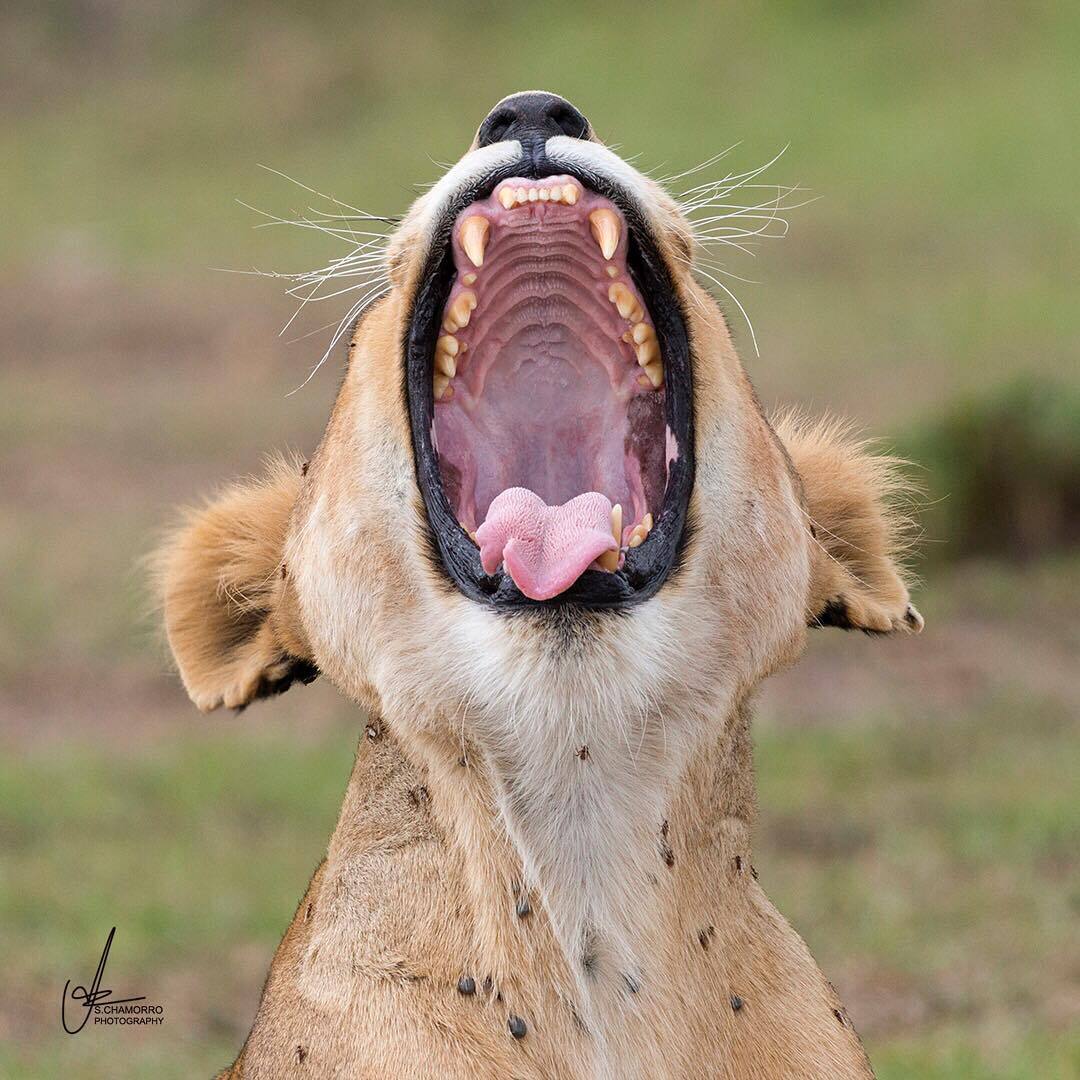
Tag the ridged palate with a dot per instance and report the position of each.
(545, 343)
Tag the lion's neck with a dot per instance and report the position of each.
(428, 885)
(590, 867)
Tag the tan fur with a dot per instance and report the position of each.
(606, 895)
(230, 612)
(852, 500)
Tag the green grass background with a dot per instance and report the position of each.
(918, 819)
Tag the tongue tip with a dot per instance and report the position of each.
(550, 579)
(545, 549)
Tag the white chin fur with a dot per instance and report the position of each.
(587, 831)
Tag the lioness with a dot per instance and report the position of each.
(550, 544)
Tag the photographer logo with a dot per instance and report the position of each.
(79, 1004)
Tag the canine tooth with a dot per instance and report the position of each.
(506, 197)
(474, 237)
(643, 332)
(441, 385)
(446, 364)
(647, 521)
(610, 559)
(447, 344)
(625, 301)
(469, 279)
(604, 225)
(655, 372)
(570, 194)
(648, 352)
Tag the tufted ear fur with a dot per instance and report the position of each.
(857, 530)
(230, 610)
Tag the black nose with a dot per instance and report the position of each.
(532, 118)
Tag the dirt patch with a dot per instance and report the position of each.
(994, 632)
(886, 1002)
(129, 706)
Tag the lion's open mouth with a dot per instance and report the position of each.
(551, 458)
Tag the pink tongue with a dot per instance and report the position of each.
(545, 548)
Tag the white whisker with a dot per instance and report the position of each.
(716, 281)
(720, 269)
(734, 212)
(708, 163)
(343, 326)
(362, 270)
(298, 183)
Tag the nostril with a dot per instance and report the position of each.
(498, 126)
(568, 120)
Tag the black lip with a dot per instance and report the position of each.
(646, 567)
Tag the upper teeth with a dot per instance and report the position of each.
(460, 311)
(605, 229)
(626, 302)
(646, 347)
(474, 237)
(510, 197)
(605, 224)
(654, 375)
(446, 349)
(445, 363)
(641, 335)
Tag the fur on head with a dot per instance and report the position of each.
(359, 570)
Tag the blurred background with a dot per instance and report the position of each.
(918, 798)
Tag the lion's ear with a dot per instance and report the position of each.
(856, 528)
(230, 609)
